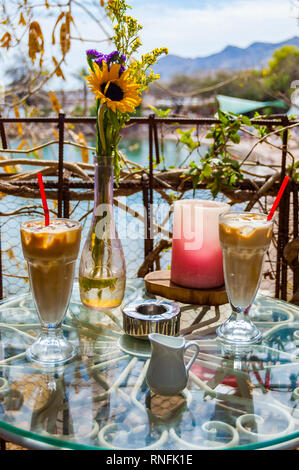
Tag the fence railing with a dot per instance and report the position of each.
(65, 187)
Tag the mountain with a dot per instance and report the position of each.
(230, 58)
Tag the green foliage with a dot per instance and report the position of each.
(78, 110)
(161, 113)
(280, 55)
(262, 131)
(282, 70)
(93, 110)
(217, 169)
(187, 140)
(247, 87)
(295, 171)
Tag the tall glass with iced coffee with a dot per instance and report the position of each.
(244, 238)
(51, 252)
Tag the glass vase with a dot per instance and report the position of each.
(102, 270)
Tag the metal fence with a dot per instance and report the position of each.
(65, 189)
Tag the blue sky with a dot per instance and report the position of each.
(201, 27)
(196, 28)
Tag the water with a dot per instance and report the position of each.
(136, 150)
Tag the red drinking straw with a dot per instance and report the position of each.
(278, 197)
(43, 196)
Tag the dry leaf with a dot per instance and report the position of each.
(58, 71)
(80, 139)
(19, 124)
(56, 134)
(84, 152)
(6, 40)
(22, 20)
(11, 255)
(54, 102)
(65, 42)
(57, 21)
(35, 41)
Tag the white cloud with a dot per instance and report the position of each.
(197, 32)
(198, 28)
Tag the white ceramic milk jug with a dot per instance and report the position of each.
(167, 373)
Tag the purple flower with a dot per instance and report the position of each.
(99, 59)
(112, 57)
(92, 53)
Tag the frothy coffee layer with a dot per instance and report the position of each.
(60, 239)
(245, 230)
(55, 225)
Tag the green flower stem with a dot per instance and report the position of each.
(100, 246)
(97, 126)
(101, 114)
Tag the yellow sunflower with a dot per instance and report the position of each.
(117, 91)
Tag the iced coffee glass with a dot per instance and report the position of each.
(51, 252)
(244, 238)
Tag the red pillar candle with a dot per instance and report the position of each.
(196, 252)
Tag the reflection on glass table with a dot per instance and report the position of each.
(239, 399)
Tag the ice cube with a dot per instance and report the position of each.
(48, 241)
(70, 224)
(27, 238)
(246, 231)
(71, 237)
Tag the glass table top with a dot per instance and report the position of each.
(244, 399)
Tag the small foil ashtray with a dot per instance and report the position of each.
(142, 317)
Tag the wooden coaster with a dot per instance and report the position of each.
(159, 283)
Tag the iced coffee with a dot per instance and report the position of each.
(51, 252)
(244, 238)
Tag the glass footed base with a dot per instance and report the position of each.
(239, 332)
(51, 349)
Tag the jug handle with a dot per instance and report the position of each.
(189, 345)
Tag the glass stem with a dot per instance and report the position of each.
(51, 331)
(240, 314)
